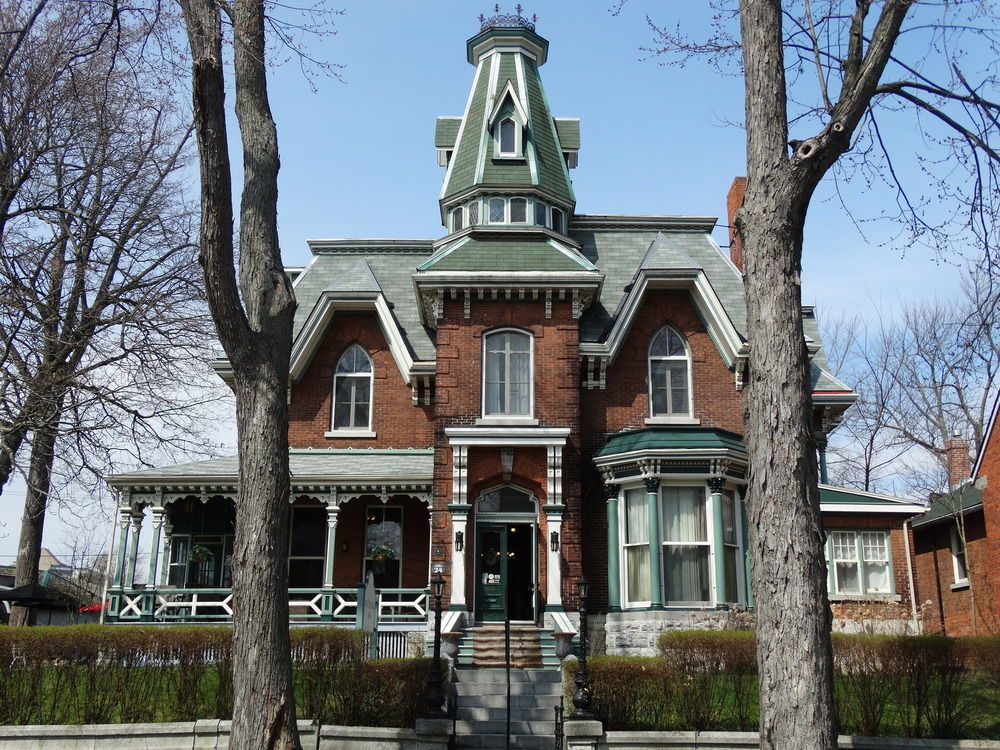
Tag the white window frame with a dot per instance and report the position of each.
(518, 151)
(509, 417)
(665, 544)
(489, 210)
(737, 546)
(625, 545)
(542, 208)
(353, 430)
(670, 416)
(858, 535)
(959, 566)
(553, 212)
(458, 219)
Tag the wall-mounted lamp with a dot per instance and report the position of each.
(459, 541)
(554, 541)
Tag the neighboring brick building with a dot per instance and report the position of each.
(535, 396)
(957, 543)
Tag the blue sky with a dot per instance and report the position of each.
(358, 155)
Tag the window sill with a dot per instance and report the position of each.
(349, 434)
(865, 598)
(672, 420)
(960, 585)
(506, 422)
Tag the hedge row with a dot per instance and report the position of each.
(98, 674)
(910, 686)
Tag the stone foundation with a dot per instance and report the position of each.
(635, 633)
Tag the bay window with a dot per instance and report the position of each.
(636, 542)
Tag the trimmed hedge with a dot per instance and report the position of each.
(911, 686)
(97, 674)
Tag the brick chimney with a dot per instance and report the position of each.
(733, 202)
(959, 466)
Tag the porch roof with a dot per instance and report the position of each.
(306, 465)
(672, 439)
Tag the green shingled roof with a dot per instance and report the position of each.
(948, 504)
(446, 131)
(333, 465)
(500, 252)
(391, 269)
(474, 162)
(568, 130)
(671, 438)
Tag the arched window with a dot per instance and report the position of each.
(669, 375)
(352, 390)
(457, 217)
(507, 386)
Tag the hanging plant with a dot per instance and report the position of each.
(200, 554)
(382, 552)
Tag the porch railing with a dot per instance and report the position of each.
(397, 605)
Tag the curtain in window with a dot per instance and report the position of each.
(637, 545)
(876, 554)
(845, 555)
(508, 373)
(686, 571)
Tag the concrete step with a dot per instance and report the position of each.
(518, 728)
(483, 741)
(498, 702)
(516, 675)
(499, 688)
(499, 713)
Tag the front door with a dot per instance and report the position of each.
(505, 580)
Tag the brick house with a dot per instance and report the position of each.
(535, 396)
(957, 543)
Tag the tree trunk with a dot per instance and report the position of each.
(255, 329)
(29, 548)
(786, 534)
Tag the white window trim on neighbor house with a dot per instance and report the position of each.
(507, 416)
(852, 544)
(353, 429)
(670, 416)
(958, 565)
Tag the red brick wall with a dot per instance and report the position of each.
(458, 402)
(396, 421)
(624, 404)
(989, 473)
(950, 610)
(348, 564)
(734, 199)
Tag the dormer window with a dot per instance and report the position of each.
(508, 137)
(669, 374)
(352, 392)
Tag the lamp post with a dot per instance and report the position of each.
(581, 698)
(435, 694)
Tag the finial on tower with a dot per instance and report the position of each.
(506, 20)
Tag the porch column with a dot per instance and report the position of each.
(553, 559)
(821, 443)
(332, 510)
(159, 517)
(124, 524)
(614, 549)
(459, 525)
(718, 540)
(655, 546)
(133, 547)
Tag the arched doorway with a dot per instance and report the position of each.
(506, 554)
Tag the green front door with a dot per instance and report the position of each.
(504, 572)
